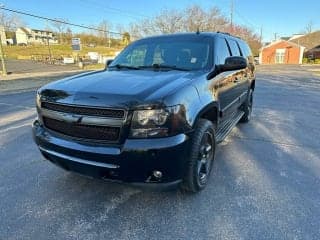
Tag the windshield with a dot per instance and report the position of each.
(166, 53)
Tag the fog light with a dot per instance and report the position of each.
(157, 174)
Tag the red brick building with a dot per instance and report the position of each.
(281, 52)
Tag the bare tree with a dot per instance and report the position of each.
(195, 19)
(168, 21)
(103, 32)
(309, 27)
(216, 21)
(10, 21)
(60, 26)
(120, 28)
(135, 31)
(191, 19)
(104, 27)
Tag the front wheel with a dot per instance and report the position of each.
(200, 157)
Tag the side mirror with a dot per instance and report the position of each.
(233, 63)
(109, 61)
(230, 64)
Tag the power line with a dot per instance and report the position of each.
(59, 21)
(122, 12)
(247, 21)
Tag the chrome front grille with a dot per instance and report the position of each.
(83, 122)
(85, 110)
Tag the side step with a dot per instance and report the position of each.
(225, 127)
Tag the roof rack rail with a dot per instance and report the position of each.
(224, 33)
(229, 34)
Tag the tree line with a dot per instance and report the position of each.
(192, 19)
(189, 19)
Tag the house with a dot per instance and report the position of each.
(313, 53)
(25, 36)
(309, 40)
(281, 52)
(295, 36)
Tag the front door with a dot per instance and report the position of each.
(280, 54)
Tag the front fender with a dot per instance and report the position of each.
(189, 100)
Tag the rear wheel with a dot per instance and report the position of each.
(247, 107)
(200, 157)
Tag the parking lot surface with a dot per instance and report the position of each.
(265, 182)
(29, 66)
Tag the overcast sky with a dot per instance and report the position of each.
(283, 17)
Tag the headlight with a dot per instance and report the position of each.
(157, 117)
(38, 100)
(157, 122)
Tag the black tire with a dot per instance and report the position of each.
(247, 107)
(200, 157)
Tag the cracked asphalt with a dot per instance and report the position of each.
(265, 182)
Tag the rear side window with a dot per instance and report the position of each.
(234, 47)
(246, 52)
(222, 51)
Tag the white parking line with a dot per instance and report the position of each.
(15, 127)
(14, 105)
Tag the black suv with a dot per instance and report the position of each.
(154, 115)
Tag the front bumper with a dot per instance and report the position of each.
(132, 162)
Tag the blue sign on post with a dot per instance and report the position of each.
(76, 44)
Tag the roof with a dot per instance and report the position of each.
(285, 38)
(310, 40)
(192, 34)
(279, 41)
(27, 30)
(39, 30)
(23, 30)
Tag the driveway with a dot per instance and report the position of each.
(265, 183)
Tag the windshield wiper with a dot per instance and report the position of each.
(162, 66)
(120, 66)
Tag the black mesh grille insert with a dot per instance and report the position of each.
(101, 112)
(83, 131)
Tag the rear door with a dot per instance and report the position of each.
(249, 71)
(226, 87)
(241, 76)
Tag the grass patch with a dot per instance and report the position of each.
(57, 51)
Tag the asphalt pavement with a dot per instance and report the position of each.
(29, 66)
(265, 182)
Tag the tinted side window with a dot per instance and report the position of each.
(234, 47)
(222, 51)
(246, 52)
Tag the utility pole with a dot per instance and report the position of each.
(4, 70)
(261, 35)
(48, 43)
(231, 16)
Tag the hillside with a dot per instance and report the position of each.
(25, 52)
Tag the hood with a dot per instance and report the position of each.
(124, 89)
